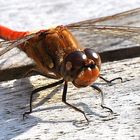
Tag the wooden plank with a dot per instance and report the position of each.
(51, 114)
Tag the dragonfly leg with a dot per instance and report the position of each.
(64, 100)
(40, 89)
(102, 98)
(110, 81)
(35, 70)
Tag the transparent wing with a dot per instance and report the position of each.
(108, 33)
(103, 38)
(128, 18)
(6, 46)
(11, 56)
(104, 31)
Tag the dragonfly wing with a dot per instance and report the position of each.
(103, 38)
(101, 34)
(6, 46)
(31, 44)
(128, 18)
(11, 56)
(111, 32)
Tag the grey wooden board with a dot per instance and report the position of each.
(103, 39)
(52, 119)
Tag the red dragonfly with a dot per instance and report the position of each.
(58, 55)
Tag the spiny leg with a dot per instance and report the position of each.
(35, 70)
(110, 81)
(64, 100)
(102, 98)
(40, 89)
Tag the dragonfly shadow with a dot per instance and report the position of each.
(82, 105)
(49, 96)
(76, 122)
(12, 102)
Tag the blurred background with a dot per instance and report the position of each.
(37, 14)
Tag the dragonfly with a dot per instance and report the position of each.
(57, 53)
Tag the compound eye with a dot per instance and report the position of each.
(75, 60)
(91, 54)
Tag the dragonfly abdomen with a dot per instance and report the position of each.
(9, 34)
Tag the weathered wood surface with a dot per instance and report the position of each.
(99, 34)
(52, 119)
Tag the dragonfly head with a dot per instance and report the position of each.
(82, 68)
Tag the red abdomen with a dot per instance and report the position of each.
(8, 34)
